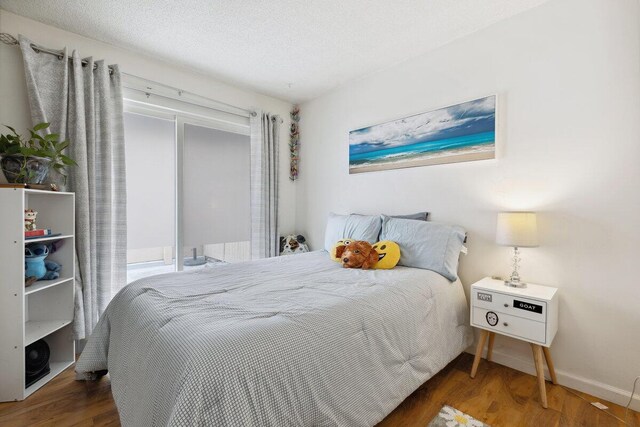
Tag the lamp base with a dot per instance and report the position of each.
(514, 279)
(513, 284)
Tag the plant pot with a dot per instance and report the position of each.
(34, 171)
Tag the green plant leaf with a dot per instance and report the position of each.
(14, 149)
(27, 151)
(40, 126)
(53, 137)
(4, 143)
(62, 146)
(67, 160)
(35, 136)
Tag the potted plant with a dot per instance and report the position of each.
(29, 160)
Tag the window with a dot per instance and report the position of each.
(188, 182)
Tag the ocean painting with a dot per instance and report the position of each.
(459, 133)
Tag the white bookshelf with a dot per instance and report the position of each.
(44, 310)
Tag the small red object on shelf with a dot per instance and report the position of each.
(39, 232)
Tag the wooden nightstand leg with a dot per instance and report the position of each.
(479, 350)
(492, 336)
(552, 370)
(537, 358)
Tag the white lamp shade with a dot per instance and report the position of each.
(518, 229)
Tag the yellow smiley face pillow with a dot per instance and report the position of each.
(388, 254)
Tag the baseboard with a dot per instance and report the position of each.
(567, 379)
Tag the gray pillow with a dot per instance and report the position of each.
(425, 244)
(356, 227)
(421, 216)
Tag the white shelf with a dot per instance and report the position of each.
(45, 309)
(47, 192)
(56, 368)
(46, 239)
(45, 284)
(36, 329)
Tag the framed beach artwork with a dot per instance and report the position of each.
(458, 133)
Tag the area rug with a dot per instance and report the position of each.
(451, 417)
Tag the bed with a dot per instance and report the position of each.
(286, 341)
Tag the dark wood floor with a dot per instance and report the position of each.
(499, 396)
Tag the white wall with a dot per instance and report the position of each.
(568, 76)
(14, 108)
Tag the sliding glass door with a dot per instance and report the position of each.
(150, 143)
(188, 182)
(214, 222)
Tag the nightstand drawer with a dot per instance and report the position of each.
(509, 304)
(507, 324)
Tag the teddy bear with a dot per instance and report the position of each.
(37, 267)
(357, 254)
(53, 270)
(388, 253)
(292, 244)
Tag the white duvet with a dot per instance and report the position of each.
(288, 341)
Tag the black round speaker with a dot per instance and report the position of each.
(36, 358)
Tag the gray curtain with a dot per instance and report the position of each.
(84, 105)
(264, 185)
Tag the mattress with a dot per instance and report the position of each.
(286, 341)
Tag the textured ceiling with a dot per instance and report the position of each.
(291, 49)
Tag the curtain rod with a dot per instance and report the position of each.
(148, 87)
(181, 92)
(8, 39)
(146, 90)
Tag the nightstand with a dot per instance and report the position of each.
(529, 314)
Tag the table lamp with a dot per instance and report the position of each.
(519, 230)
